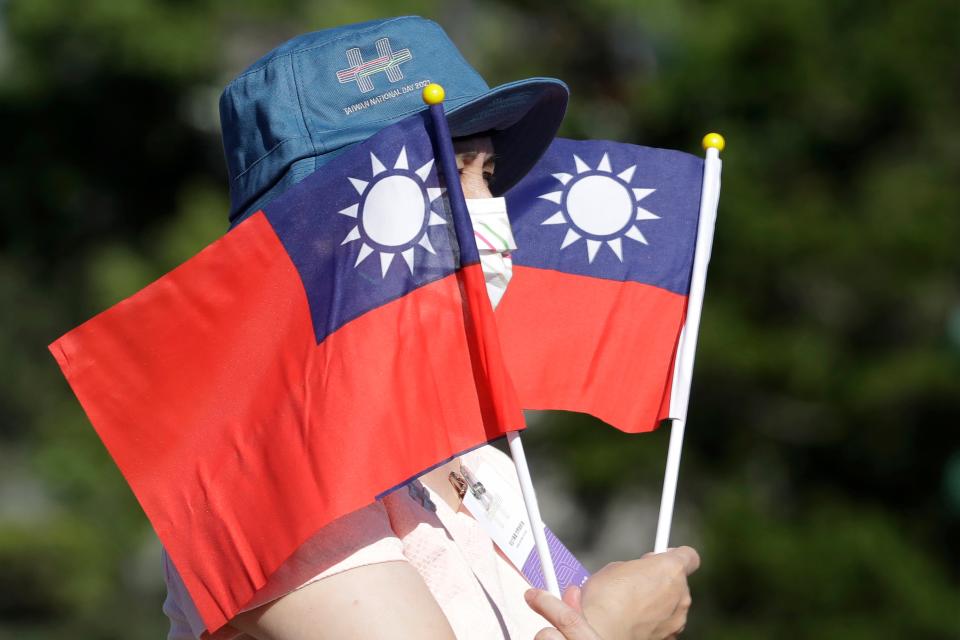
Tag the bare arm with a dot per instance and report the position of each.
(381, 601)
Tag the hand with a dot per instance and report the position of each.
(645, 599)
(565, 615)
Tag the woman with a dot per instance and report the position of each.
(414, 564)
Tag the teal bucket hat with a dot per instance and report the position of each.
(314, 96)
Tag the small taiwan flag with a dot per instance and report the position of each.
(606, 234)
(318, 355)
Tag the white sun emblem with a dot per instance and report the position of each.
(394, 212)
(600, 207)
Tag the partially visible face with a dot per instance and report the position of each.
(476, 161)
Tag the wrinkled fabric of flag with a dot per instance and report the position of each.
(606, 234)
(319, 354)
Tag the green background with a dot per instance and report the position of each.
(821, 475)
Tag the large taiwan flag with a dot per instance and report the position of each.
(319, 354)
(591, 320)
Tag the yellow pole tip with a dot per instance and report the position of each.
(433, 93)
(714, 141)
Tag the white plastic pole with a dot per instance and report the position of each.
(533, 512)
(687, 347)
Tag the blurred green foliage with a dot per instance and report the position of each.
(821, 478)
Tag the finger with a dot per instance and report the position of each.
(473, 185)
(569, 622)
(573, 597)
(548, 633)
(689, 557)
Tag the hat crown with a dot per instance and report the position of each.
(322, 91)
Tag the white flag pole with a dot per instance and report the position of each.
(713, 144)
(533, 512)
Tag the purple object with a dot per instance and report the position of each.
(569, 570)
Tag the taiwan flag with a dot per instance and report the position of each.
(592, 317)
(319, 354)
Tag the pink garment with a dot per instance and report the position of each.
(479, 591)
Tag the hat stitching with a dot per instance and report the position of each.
(267, 154)
(303, 117)
(394, 117)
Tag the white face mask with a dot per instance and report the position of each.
(491, 228)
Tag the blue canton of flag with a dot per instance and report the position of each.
(381, 230)
(606, 234)
(609, 210)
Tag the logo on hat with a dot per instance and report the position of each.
(387, 61)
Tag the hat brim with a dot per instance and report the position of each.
(521, 117)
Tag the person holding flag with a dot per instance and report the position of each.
(412, 564)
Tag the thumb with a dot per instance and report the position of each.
(567, 620)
